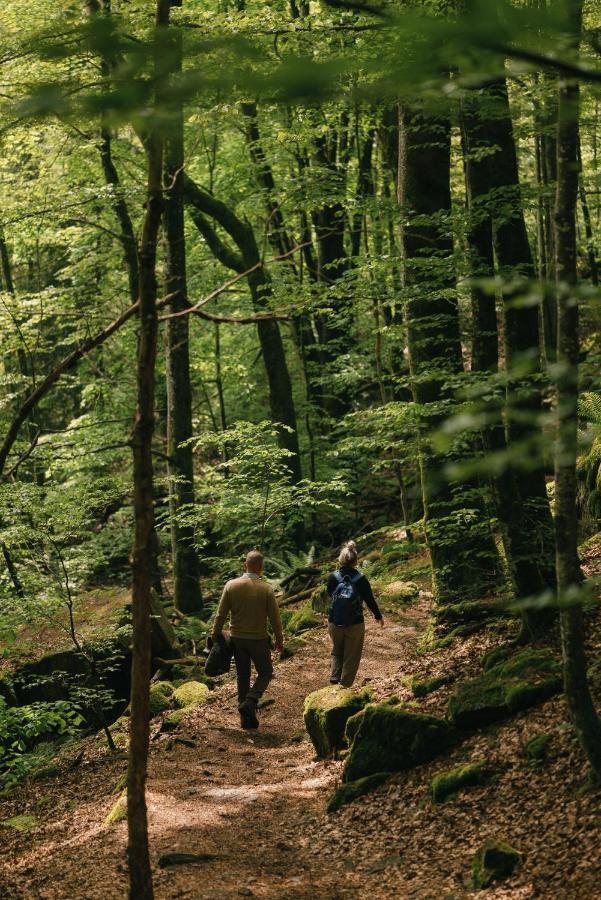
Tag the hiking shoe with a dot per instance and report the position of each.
(248, 714)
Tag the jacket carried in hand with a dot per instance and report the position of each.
(219, 660)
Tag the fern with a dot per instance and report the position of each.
(589, 462)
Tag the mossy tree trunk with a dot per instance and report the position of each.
(569, 577)
(186, 581)
(464, 557)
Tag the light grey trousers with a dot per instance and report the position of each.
(347, 646)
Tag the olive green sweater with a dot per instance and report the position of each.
(250, 602)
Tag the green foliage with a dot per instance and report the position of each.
(22, 726)
(247, 499)
(302, 619)
(537, 748)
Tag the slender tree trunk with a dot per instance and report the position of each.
(569, 577)
(186, 576)
(140, 875)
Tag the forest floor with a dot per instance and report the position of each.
(255, 802)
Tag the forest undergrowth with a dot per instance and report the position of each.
(250, 809)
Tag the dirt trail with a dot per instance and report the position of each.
(248, 798)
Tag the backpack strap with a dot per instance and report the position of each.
(356, 577)
(338, 576)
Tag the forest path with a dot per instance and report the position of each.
(248, 798)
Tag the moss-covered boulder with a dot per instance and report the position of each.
(347, 793)
(191, 693)
(390, 738)
(447, 784)
(326, 713)
(160, 697)
(523, 680)
(302, 619)
(494, 861)
(402, 591)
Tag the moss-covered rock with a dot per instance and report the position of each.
(22, 823)
(494, 861)
(191, 693)
(292, 646)
(447, 784)
(469, 611)
(118, 812)
(160, 697)
(537, 748)
(390, 738)
(346, 793)
(302, 619)
(523, 680)
(423, 688)
(402, 591)
(174, 718)
(326, 713)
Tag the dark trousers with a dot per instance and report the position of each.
(257, 652)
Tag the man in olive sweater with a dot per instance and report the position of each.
(250, 602)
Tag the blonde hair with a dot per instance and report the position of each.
(348, 556)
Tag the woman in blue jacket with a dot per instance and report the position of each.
(348, 590)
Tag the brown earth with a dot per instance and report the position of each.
(257, 800)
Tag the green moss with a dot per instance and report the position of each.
(497, 655)
(121, 784)
(494, 861)
(423, 688)
(402, 591)
(390, 739)
(24, 824)
(524, 680)
(119, 811)
(319, 599)
(173, 719)
(537, 747)
(460, 631)
(449, 783)
(326, 713)
(469, 611)
(160, 697)
(302, 619)
(346, 793)
(191, 693)
(292, 646)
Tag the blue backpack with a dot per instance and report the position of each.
(346, 605)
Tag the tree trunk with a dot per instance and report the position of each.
(464, 557)
(569, 577)
(186, 580)
(140, 875)
(529, 521)
(248, 260)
